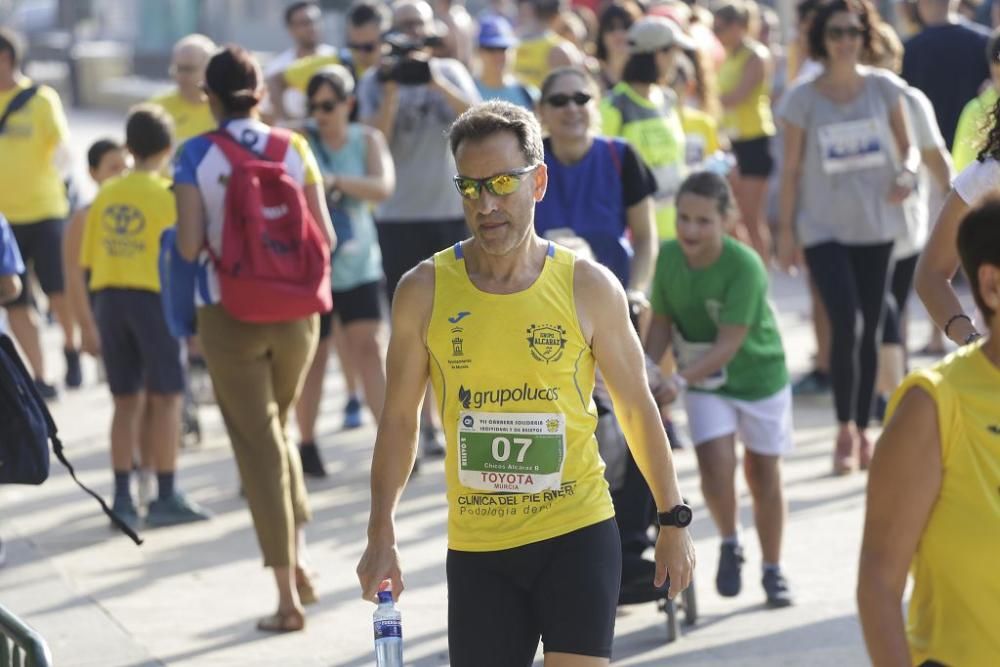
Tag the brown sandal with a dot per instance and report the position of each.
(304, 585)
(283, 621)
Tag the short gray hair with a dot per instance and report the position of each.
(484, 120)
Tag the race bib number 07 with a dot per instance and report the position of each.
(511, 452)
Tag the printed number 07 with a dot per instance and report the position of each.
(501, 448)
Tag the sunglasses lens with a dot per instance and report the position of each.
(581, 99)
(503, 185)
(559, 100)
(467, 187)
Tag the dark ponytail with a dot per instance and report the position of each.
(991, 148)
(234, 76)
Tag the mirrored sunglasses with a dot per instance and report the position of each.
(501, 185)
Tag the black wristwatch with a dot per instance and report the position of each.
(679, 517)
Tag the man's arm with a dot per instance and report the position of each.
(458, 95)
(728, 342)
(903, 486)
(756, 70)
(407, 371)
(605, 322)
(938, 163)
(10, 288)
(641, 221)
(276, 87)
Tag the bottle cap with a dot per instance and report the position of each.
(384, 596)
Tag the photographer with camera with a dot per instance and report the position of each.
(413, 98)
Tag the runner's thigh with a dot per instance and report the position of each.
(576, 595)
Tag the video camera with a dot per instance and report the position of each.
(405, 63)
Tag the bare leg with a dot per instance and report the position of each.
(750, 194)
(64, 314)
(573, 660)
(717, 465)
(125, 428)
(307, 407)
(362, 338)
(27, 331)
(763, 475)
(348, 364)
(165, 429)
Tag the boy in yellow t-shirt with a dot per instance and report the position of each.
(120, 248)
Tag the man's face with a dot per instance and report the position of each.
(304, 27)
(364, 42)
(6, 64)
(500, 224)
(188, 68)
(414, 20)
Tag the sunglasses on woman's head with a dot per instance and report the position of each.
(326, 106)
(837, 33)
(500, 185)
(562, 99)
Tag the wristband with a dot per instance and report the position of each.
(951, 320)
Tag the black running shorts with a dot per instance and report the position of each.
(563, 591)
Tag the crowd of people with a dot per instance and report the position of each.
(627, 174)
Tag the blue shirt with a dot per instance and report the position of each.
(10, 256)
(517, 93)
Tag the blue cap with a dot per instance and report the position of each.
(384, 596)
(495, 33)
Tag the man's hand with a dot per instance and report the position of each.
(674, 557)
(90, 341)
(667, 392)
(380, 562)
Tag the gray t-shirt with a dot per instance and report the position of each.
(849, 163)
(424, 165)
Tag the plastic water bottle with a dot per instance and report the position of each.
(388, 632)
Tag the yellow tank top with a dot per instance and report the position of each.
(752, 118)
(531, 60)
(514, 380)
(954, 611)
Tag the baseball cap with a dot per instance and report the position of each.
(655, 33)
(495, 33)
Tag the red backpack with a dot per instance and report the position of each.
(275, 262)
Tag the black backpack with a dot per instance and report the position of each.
(26, 426)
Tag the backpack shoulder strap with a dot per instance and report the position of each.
(276, 148)
(16, 104)
(235, 152)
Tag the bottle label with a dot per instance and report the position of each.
(388, 628)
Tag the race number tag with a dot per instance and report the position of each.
(687, 353)
(851, 146)
(511, 452)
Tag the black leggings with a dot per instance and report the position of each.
(895, 304)
(851, 280)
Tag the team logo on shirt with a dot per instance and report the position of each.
(546, 342)
(123, 220)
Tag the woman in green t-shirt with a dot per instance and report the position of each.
(710, 305)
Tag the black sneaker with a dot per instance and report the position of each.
(814, 383)
(74, 374)
(430, 446)
(175, 510)
(728, 580)
(776, 587)
(46, 391)
(312, 463)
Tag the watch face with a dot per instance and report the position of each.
(683, 516)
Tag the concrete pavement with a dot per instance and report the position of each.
(192, 594)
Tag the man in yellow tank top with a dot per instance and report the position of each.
(934, 492)
(500, 325)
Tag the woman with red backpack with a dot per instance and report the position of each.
(251, 212)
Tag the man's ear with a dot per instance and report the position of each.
(541, 181)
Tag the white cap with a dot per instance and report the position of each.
(655, 33)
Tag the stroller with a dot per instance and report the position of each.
(637, 573)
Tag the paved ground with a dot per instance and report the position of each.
(191, 595)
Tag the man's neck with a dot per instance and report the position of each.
(936, 13)
(493, 78)
(513, 272)
(195, 96)
(9, 81)
(153, 165)
(304, 51)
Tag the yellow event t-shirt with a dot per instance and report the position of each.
(514, 379)
(31, 189)
(299, 73)
(121, 240)
(190, 119)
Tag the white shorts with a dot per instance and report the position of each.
(764, 426)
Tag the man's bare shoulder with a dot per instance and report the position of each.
(414, 297)
(592, 280)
